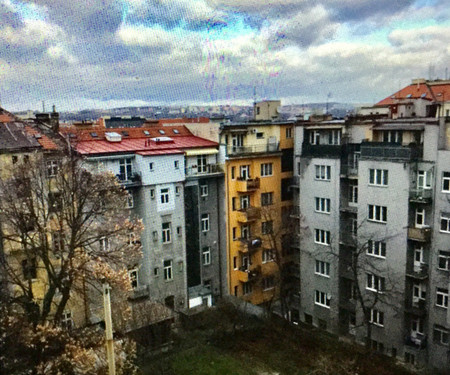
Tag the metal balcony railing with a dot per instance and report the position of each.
(417, 341)
(252, 149)
(203, 170)
(250, 244)
(421, 195)
(348, 170)
(249, 214)
(391, 151)
(420, 273)
(134, 178)
(321, 150)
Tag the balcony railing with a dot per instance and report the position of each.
(248, 185)
(420, 273)
(295, 182)
(203, 170)
(140, 292)
(418, 342)
(415, 306)
(421, 195)
(134, 178)
(419, 234)
(349, 170)
(391, 151)
(250, 273)
(321, 150)
(253, 149)
(248, 214)
(250, 244)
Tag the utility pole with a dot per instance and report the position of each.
(108, 330)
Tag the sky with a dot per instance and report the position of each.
(102, 54)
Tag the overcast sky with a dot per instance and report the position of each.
(108, 53)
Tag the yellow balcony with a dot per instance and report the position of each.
(246, 215)
(246, 274)
(247, 186)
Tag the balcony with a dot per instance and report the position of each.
(417, 341)
(246, 274)
(295, 243)
(348, 238)
(347, 207)
(415, 306)
(348, 304)
(253, 149)
(247, 186)
(204, 170)
(295, 184)
(419, 234)
(420, 196)
(140, 292)
(390, 151)
(349, 171)
(250, 245)
(129, 180)
(295, 213)
(419, 273)
(330, 151)
(249, 214)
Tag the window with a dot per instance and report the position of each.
(233, 203)
(168, 273)
(378, 177)
(377, 213)
(266, 199)
(268, 255)
(205, 222)
(233, 173)
(152, 193)
(444, 260)
(268, 282)
(267, 227)
(323, 172)
(155, 235)
(177, 190)
(446, 182)
(393, 136)
(55, 202)
(166, 235)
(151, 166)
(202, 166)
(377, 317)
(203, 190)
(235, 267)
(266, 169)
(314, 137)
(442, 297)
(288, 132)
(133, 275)
(52, 168)
(245, 231)
(245, 202)
(334, 137)
(206, 256)
(375, 283)
(417, 327)
(104, 244)
(176, 164)
(419, 292)
(420, 217)
(445, 223)
(156, 271)
(259, 135)
(234, 233)
(353, 193)
(179, 231)
(247, 288)
(322, 237)
(57, 241)
(164, 196)
(323, 205)
(424, 179)
(29, 269)
(322, 268)
(244, 172)
(125, 169)
(376, 248)
(130, 201)
(14, 159)
(440, 335)
(322, 299)
(66, 320)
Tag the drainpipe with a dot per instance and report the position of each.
(108, 330)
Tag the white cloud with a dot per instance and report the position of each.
(145, 36)
(59, 52)
(33, 33)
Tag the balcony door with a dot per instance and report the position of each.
(237, 142)
(245, 172)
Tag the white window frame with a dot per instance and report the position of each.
(377, 214)
(244, 172)
(442, 294)
(375, 283)
(67, 320)
(205, 223)
(105, 244)
(419, 291)
(424, 179)
(323, 172)
(166, 235)
(130, 201)
(353, 194)
(444, 228)
(442, 334)
(322, 237)
(322, 268)
(52, 168)
(165, 195)
(376, 249)
(206, 256)
(419, 221)
(314, 137)
(444, 256)
(168, 269)
(445, 182)
(204, 190)
(377, 317)
(417, 327)
(134, 277)
(288, 132)
(378, 177)
(268, 255)
(202, 164)
(177, 190)
(323, 205)
(266, 169)
(322, 299)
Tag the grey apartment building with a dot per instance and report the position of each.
(374, 199)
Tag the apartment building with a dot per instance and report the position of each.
(375, 207)
(175, 185)
(258, 158)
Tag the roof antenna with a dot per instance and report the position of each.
(43, 106)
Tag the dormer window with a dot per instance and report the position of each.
(146, 132)
(94, 135)
(176, 131)
(162, 132)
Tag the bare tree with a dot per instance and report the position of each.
(64, 231)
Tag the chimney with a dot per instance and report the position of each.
(54, 120)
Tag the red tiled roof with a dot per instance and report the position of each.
(43, 140)
(425, 91)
